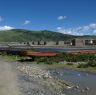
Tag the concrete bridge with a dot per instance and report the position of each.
(15, 48)
(21, 46)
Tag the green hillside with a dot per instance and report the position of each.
(19, 35)
(27, 35)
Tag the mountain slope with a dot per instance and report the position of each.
(26, 35)
(19, 35)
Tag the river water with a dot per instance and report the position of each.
(85, 82)
(62, 49)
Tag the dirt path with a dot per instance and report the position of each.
(28, 79)
(8, 80)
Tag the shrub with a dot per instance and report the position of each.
(82, 66)
(48, 61)
(70, 63)
(92, 63)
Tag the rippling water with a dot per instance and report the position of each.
(82, 79)
(62, 49)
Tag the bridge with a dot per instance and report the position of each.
(24, 50)
(15, 48)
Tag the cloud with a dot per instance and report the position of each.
(2, 28)
(1, 19)
(26, 22)
(62, 17)
(59, 28)
(83, 30)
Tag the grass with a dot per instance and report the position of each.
(68, 65)
(88, 69)
(74, 67)
(21, 35)
(10, 57)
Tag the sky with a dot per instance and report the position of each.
(76, 17)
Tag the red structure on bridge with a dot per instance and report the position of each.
(38, 54)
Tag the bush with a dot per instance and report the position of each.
(49, 61)
(70, 63)
(92, 63)
(82, 66)
(40, 60)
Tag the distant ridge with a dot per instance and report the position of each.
(22, 35)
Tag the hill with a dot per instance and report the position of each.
(20, 35)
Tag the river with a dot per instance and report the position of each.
(85, 82)
(62, 49)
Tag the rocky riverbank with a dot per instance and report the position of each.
(36, 80)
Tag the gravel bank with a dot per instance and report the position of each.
(28, 79)
(36, 80)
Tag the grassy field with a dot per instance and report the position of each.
(69, 65)
(10, 57)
